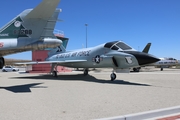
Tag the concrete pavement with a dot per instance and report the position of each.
(73, 96)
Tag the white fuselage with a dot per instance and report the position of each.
(96, 57)
(8, 46)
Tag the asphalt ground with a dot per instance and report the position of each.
(73, 96)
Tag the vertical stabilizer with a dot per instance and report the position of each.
(33, 23)
(64, 41)
(49, 29)
(14, 29)
(146, 49)
(59, 49)
(44, 10)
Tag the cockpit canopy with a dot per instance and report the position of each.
(118, 45)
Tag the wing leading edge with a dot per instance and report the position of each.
(51, 62)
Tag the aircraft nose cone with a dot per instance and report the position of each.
(144, 58)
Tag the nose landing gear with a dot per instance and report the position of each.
(113, 76)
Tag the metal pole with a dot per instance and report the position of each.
(86, 34)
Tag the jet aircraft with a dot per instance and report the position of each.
(108, 55)
(162, 63)
(30, 30)
(166, 63)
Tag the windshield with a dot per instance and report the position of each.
(117, 45)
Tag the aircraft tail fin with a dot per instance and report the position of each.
(64, 42)
(33, 23)
(13, 29)
(49, 29)
(61, 48)
(147, 47)
(44, 10)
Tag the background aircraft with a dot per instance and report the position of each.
(30, 30)
(108, 55)
(166, 63)
(162, 63)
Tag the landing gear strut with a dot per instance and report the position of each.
(1, 62)
(54, 70)
(113, 76)
(161, 68)
(86, 71)
(136, 69)
(54, 73)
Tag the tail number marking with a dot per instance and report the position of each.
(22, 32)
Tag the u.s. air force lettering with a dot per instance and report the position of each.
(73, 54)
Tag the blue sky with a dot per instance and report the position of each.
(136, 22)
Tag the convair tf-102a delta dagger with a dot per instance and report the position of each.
(108, 55)
(30, 30)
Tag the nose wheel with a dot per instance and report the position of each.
(113, 76)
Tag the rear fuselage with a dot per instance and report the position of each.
(9, 46)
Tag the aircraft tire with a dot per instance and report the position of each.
(54, 73)
(136, 69)
(85, 72)
(1, 62)
(113, 76)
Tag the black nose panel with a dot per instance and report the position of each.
(143, 58)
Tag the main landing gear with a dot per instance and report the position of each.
(161, 68)
(54, 70)
(112, 76)
(86, 71)
(54, 73)
(136, 69)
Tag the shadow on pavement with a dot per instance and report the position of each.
(22, 88)
(79, 77)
